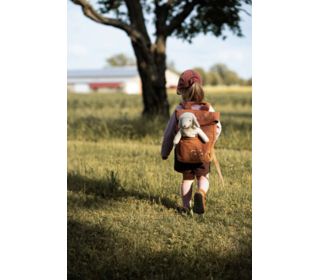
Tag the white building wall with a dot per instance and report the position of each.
(70, 88)
(171, 78)
(81, 88)
(133, 86)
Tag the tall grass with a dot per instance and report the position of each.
(122, 222)
(114, 116)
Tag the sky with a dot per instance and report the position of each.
(90, 43)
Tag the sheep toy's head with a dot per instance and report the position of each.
(187, 120)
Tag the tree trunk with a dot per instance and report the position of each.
(151, 63)
(160, 61)
(152, 67)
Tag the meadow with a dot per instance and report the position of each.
(122, 197)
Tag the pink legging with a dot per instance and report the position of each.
(186, 187)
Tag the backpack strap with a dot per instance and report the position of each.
(187, 105)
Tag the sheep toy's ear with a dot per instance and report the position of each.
(195, 122)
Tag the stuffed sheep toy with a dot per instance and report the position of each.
(189, 127)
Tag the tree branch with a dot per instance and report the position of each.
(243, 10)
(161, 13)
(136, 17)
(179, 18)
(91, 13)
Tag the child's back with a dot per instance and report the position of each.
(190, 88)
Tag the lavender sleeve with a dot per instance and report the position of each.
(219, 127)
(168, 136)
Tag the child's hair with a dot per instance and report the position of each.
(194, 92)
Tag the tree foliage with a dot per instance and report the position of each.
(214, 78)
(220, 68)
(202, 73)
(184, 18)
(219, 74)
(231, 78)
(227, 76)
(120, 60)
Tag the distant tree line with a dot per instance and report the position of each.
(218, 74)
(120, 60)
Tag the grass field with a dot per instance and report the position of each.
(122, 222)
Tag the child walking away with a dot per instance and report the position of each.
(192, 155)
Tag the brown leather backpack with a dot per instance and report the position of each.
(193, 149)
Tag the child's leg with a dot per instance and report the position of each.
(203, 182)
(200, 195)
(186, 189)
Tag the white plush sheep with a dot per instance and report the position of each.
(189, 127)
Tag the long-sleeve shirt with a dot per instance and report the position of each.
(167, 142)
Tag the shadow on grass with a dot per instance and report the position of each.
(97, 252)
(110, 187)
